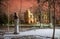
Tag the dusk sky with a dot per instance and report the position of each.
(12, 6)
(15, 5)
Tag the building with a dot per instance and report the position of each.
(29, 17)
(45, 18)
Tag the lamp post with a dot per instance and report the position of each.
(53, 36)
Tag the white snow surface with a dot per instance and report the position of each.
(40, 32)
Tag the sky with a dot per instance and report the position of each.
(11, 6)
(15, 5)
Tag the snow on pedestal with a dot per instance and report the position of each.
(16, 26)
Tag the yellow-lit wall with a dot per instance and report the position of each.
(29, 17)
(45, 18)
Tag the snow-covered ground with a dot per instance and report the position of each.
(46, 33)
(42, 32)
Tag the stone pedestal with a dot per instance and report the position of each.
(16, 26)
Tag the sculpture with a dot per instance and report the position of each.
(16, 24)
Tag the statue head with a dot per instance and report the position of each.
(15, 16)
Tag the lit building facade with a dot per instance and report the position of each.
(29, 17)
(45, 18)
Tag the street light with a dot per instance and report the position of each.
(53, 36)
